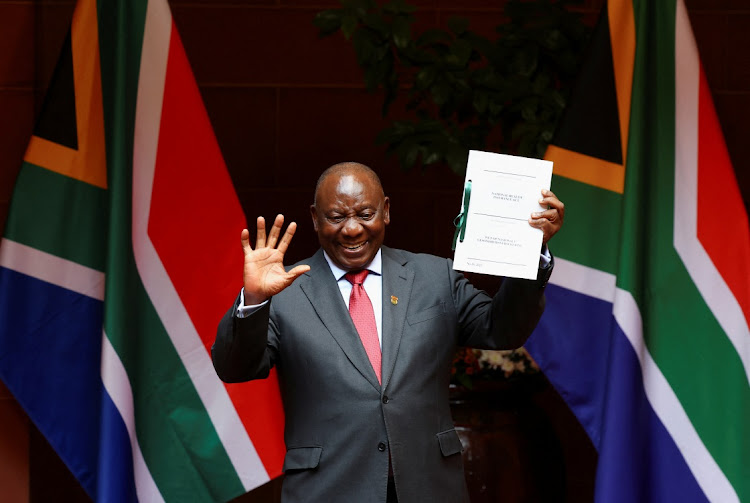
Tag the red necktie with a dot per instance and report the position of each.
(363, 316)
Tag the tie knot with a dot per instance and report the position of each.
(356, 277)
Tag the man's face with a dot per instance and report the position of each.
(350, 216)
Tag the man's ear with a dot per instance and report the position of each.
(386, 210)
(314, 215)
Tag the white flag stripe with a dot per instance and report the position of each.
(661, 396)
(703, 272)
(668, 408)
(52, 269)
(116, 382)
(586, 280)
(159, 287)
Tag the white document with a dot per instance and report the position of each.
(504, 191)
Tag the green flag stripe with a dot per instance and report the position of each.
(686, 342)
(581, 223)
(59, 215)
(175, 433)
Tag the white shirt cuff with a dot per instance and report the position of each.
(545, 258)
(244, 311)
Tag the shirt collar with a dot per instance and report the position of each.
(375, 266)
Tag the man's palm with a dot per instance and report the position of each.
(264, 275)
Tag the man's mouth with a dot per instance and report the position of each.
(355, 247)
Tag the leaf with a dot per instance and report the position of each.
(425, 77)
(433, 36)
(457, 156)
(328, 21)
(440, 91)
(410, 157)
(398, 7)
(480, 101)
(465, 380)
(375, 21)
(460, 52)
(431, 158)
(401, 32)
(349, 25)
(458, 25)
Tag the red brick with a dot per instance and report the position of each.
(263, 46)
(17, 56)
(5, 392)
(3, 217)
(737, 40)
(294, 205)
(481, 22)
(181, 3)
(320, 127)
(341, 125)
(334, 4)
(709, 30)
(717, 5)
(472, 4)
(15, 131)
(244, 120)
(14, 452)
(733, 110)
(412, 218)
(53, 23)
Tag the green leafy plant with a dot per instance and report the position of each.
(465, 91)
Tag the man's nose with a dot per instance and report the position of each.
(351, 227)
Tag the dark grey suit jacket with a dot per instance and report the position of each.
(341, 425)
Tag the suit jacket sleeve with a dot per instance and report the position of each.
(245, 348)
(506, 320)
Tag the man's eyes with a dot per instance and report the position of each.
(337, 219)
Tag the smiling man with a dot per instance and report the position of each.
(349, 214)
(363, 336)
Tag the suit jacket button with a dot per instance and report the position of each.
(385, 399)
(381, 447)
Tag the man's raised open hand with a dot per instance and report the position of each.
(263, 274)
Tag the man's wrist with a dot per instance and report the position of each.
(245, 309)
(251, 300)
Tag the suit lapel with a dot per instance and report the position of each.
(323, 293)
(397, 286)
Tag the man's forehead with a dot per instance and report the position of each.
(350, 182)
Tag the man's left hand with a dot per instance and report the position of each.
(551, 219)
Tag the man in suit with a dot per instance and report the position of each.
(364, 374)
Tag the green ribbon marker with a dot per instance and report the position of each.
(460, 221)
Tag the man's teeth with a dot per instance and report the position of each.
(355, 247)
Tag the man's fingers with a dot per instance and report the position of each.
(260, 236)
(299, 271)
(551, 200)
(273, 236)
(552, 215)
(245, 240)
(287, 238)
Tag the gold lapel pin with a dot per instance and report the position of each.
(394, 300)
